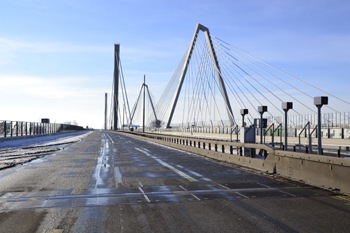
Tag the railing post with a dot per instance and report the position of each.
(223, 148)
(5, 129)
(16, 128)
(310, 139)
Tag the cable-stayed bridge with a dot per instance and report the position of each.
(222, 93)
(181, 171)
(215, 80)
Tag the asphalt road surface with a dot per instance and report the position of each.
(110, 182)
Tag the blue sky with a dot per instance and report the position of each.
(56, 57)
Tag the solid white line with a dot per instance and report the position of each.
(223, 186)
(110, 138)
(140, 184)
(206, 179)
(287, 193)
(144, 194)
(264, 185)
(194, 173)
(195, 197)
(182, 188)
(167, 165)
(242, 195)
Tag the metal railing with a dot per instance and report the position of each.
(23, 128)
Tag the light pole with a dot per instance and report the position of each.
(243, 113)
(286, 106)
(319, 102)
(261, 110)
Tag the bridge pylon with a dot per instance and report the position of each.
(213, 57)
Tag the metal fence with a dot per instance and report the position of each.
(331, 132)
(22, 128)
(329, 120)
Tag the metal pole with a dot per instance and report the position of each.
(261, 129)
(5, 128)
(285, 130)
(144, 98)
(310, 139)
(319, 129)
(105, 111)
(116, 86)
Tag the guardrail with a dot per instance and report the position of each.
(23, 128)
(318, 170)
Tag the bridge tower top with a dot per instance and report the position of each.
(204, 29)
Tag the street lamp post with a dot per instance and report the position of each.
(286, 106)
(319, 102)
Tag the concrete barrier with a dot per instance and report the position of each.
(321, 171)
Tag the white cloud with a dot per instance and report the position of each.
(29, 98)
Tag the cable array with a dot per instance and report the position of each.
(249, 82)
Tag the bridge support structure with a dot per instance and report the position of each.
(116, 86)
(205, 30)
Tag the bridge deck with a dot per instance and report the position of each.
(112, 182)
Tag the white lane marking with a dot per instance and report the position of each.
(195, 197)
(6, 195)
(167, 165)
(110, 138)
(118, 176)
(264, 185)
(140, 184)
(145, 196)
(194, 173)
(190, 193)
(287, 193)
(43, 205)
(146, 150)
(206, 179)
(242, 195)
(224, 186)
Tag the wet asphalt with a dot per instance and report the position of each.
(110, 182)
